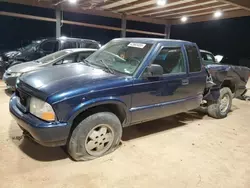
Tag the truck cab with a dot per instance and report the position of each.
(126, 82)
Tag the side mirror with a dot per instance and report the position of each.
(154, 70)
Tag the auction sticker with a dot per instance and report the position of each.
(136, 45)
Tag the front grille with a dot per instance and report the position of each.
(23, 100)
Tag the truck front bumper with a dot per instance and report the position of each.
(49, 134)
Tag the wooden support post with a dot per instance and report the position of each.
(167, 31)
(124, 26)
(58, 21)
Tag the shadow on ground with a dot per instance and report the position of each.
(160, 125)
(32, 149)
(41, 153)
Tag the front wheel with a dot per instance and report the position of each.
(220, 109)
(95, 136)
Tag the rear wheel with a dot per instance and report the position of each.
(223, 106)
(95, 136)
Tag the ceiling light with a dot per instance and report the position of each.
(72, 1)
(217, 14)
(184, 18)
(161, 2)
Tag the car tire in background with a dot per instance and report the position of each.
(95, 136)
(220, 109)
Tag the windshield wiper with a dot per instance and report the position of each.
(87, 62)
(107, 67)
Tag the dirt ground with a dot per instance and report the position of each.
(184, 151)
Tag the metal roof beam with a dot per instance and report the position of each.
(209, 12)
(78, 9)
(186, 13)
(209, 17)
(244, 4)
(184, 7)
(149, 5)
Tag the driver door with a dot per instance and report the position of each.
(162, 96)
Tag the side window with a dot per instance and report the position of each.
(171, 60)
(83, 55)
(94, 45)
(68, 44)
(210, 57)
(194, 59)
(49, 46)
(204, 56)
(89, 44)
(69, 59)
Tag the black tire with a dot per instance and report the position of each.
(78, 141)
(215, 111)
(202, 109)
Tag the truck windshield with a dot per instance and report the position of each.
(120, 56)
(53, 56)
(31, 45)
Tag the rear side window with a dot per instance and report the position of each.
(89, 44)
(210, 57)
(83, 55)
(68, 44)
(49, 46)
(207, 57)
(193, 59)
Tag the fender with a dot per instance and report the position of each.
(231, 80)
(96, 102)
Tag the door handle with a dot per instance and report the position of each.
(185, 82)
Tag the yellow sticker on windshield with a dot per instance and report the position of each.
(136, 45)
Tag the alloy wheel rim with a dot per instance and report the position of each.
(224, 103)
(99, 139)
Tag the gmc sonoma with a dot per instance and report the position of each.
(128, 81)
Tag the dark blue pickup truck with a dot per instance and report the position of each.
(128, 81)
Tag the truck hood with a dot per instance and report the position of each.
(25, 67)
(63, 78)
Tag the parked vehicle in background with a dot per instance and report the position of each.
(209, 58)
(58, 58)
(41, 48)
(128, 81)
(230, 76)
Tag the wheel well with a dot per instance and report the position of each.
(114, 108)
(229, 84)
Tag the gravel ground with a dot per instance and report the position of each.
(184, 151)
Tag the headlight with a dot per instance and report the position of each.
(41, 109)
(15, 74)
